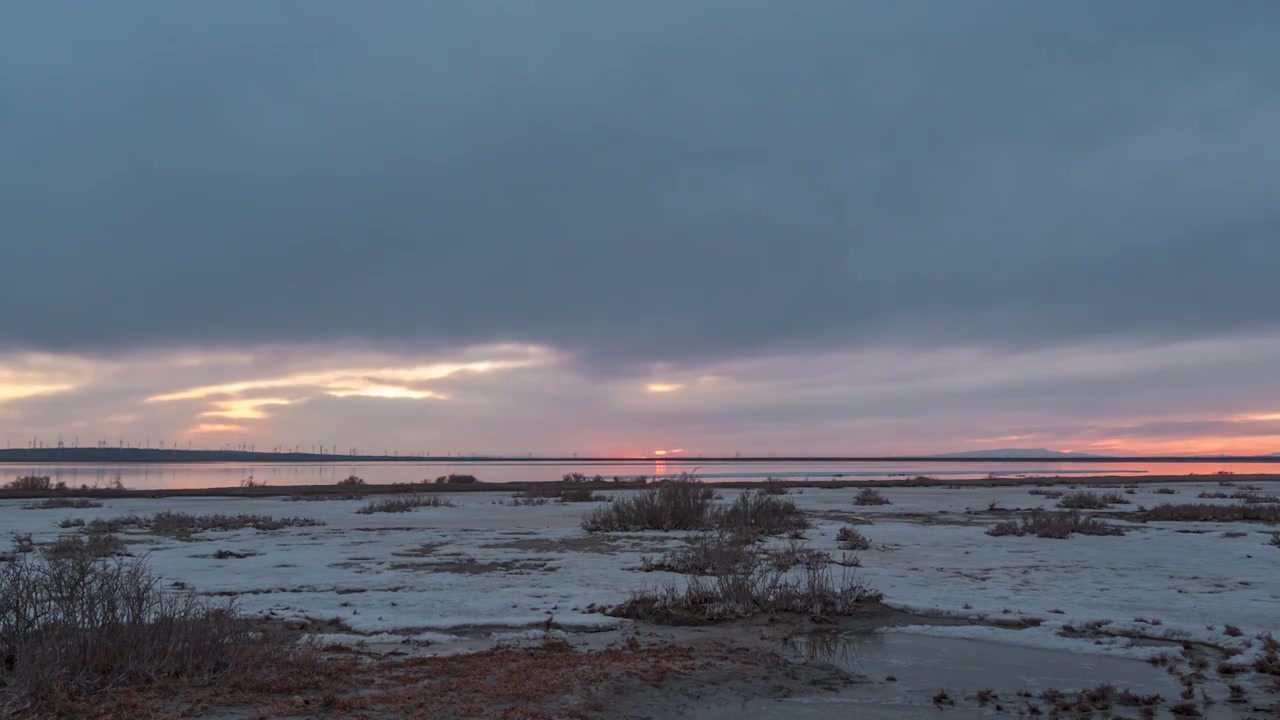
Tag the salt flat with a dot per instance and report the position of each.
(484, 570)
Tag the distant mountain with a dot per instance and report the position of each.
(1021, 453)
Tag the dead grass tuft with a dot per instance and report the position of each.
(1091, 501)
(1268, 663)
(729, 580)
(1053, 525)
(870, 496)
(752, 588)
(1132, 699)
(851, 539)
(174, 523)
(1204, 512)
(403, 503)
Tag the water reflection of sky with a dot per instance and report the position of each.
(194, 475)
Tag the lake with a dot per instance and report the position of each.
(205, 475)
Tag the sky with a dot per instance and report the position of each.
(604, 226)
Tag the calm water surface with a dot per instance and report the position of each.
(202, 475)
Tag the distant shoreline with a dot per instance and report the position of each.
(145, 455)
(271, 491)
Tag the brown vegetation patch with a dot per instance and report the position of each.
(871, 496)
(850, 539)
(1053, 525)
(678, 505)
(760, 513)
(403, 503)
(175, 523)
(1204, 512)
(74, 627)
(1248, 496)
(1091, 501)
(552, 680)
(735, 582)
(1051, 494)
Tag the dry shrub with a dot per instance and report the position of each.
(1091, 501)
(572, 495)
(32, 483)
(1165, 491)
(63, 503)
(351, 481)
(752, 587)
(870, 496)
(850, 539)
(1053, 525)
(72, 628)
(403, 503)
(173, 523)
(762, 514)
(1204, 512)
(676, 505)
(705, 553)
(1275, 539)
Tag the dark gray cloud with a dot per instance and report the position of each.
(636, 181)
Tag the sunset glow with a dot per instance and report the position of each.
(17, 391)
(218, 428)
(249, 409)
(663, 387)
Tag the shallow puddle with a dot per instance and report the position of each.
(923, 665)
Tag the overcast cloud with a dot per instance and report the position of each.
(638, 193)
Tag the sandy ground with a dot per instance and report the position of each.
(484, 574)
